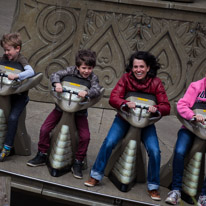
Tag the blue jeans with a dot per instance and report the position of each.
(117, 132)
(18, 103)
(183, 145)
(204, 188)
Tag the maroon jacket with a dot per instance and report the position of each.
(129, 83)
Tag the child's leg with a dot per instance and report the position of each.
(18, 103)
(204, 188)
(184, 143)
(49, 124)
(84, 136)
(44, 138)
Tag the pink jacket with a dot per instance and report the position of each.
(196, 92)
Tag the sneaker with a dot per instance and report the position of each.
(4, 153)
(39, 160)
(91, 182)
(77, 169)
(173, 197)
(154, 194)
(202, 200)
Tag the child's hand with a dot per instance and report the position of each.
(199, 118)
(13, 76)
(82, 94)
(58, 87)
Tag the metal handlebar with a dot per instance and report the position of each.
(2, 74)
(141, 108)
(195, 119)
(72, 92)
(136, 106)
(196, 124)
(15, 83)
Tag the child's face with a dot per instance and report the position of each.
(140, 69)
(11, 52)
(85, 70)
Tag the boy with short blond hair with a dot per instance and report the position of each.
(12, 44)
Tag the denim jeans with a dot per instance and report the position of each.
(204, 188)
(183, 145)
(118, 131)
(18, 103)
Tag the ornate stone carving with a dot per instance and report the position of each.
(53, 31)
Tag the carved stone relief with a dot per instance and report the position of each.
(53, 31)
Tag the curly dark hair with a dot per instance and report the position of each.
(85, 56)
(148, 58)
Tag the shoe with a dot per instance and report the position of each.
(39, 160)
(4, 153)
(202, 200)
(154, 194)
(77, 169)
(173, 197)
(91, 182)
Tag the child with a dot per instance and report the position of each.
(85, 63)
(12, 44)
(196, 92)
(141, 77)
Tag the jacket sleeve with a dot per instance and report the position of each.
(163, 104)
(28, 70)
(185, 104)
(118, 94)
(95, 88)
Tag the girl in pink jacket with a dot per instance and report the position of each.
(196, 92)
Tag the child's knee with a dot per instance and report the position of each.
(85, 137)
(44, 130)
(13, 118)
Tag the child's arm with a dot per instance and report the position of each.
(13, 76)
(58, 87)
(29, 72)
(95, 88)
(199, 118)
(185, 104)
(82, 93)
(23, 75)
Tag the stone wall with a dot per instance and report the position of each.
(54, 30)
(6, 17)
